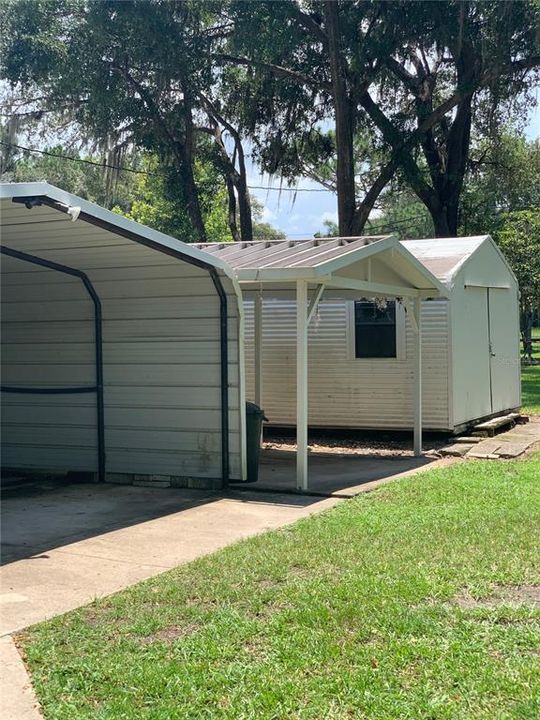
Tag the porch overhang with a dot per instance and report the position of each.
(345, 268)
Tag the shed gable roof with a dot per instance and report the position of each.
(444, 257)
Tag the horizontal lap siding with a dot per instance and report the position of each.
(161, 352)
(345, 392)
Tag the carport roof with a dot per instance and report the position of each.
(46, 201)
(331, 261)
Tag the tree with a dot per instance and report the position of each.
(435, 67)
(149, 195)
(156, 200)
(401, 214)
(476, 59)
(519, 239)
(503, 176)
(131, 74)
(403, 84)
(83, 176)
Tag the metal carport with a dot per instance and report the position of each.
(155, 343)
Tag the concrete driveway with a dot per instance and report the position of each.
(64, 545)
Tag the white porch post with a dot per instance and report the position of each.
(417, 309)
(301, 386)
(258, 370)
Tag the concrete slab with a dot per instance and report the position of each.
(511, 450)
(18, 701)
(63, 545)
(343, 475)
(485, 448)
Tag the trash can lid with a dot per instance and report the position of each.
(253, 409)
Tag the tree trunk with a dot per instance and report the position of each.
(189, 187)
(231, 218)
(346, 193)
(237, 177)
(244, 201)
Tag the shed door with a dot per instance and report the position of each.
(503, 348)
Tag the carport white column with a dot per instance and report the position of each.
(301, 385)
(417, 309)
(258, 369)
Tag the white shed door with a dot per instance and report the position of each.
(503, 348)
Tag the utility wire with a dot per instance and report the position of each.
(141, 172)
(85, 161)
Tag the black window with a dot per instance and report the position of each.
(374, 330)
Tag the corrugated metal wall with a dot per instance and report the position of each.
(161, 361)
(345, 392)
(47, 341)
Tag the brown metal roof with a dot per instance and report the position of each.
(441, 256)
(260, 255)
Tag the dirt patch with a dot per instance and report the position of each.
(269, 584)
(503, 595)
(170, 634)
(352, 442)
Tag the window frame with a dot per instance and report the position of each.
(401, 338)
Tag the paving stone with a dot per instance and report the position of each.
(471, 439)
(456, 450)
(484, 449)
(511, 450)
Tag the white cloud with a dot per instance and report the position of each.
(329, 216)
(267, 214)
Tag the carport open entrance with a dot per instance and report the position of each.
(95, 389)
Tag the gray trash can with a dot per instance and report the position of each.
(254, 421)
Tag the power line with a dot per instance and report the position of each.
(397, 222)
(79, 160)
(94, 163)
(140, 172)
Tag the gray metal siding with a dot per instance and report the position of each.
(161, 329)
(40, 348)
(345, 392)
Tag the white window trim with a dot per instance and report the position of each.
(401, 336)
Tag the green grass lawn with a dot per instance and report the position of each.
(353, 613)
(530, 383)
(530, 389)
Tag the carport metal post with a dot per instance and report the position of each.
(301, 385)
(417, 310)
(258, 369)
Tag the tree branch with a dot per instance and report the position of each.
(308, 23)
(277, 70)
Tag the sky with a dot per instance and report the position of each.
(302, 214)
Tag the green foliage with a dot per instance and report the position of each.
(402, 214)
(519, 239)
(530, 389)
(364, 611)
(503, 176)
(159, 75)
(157, 201)
(88, 181)
(266, 231)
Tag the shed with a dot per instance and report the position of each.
(120, 347)
(362, 358)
